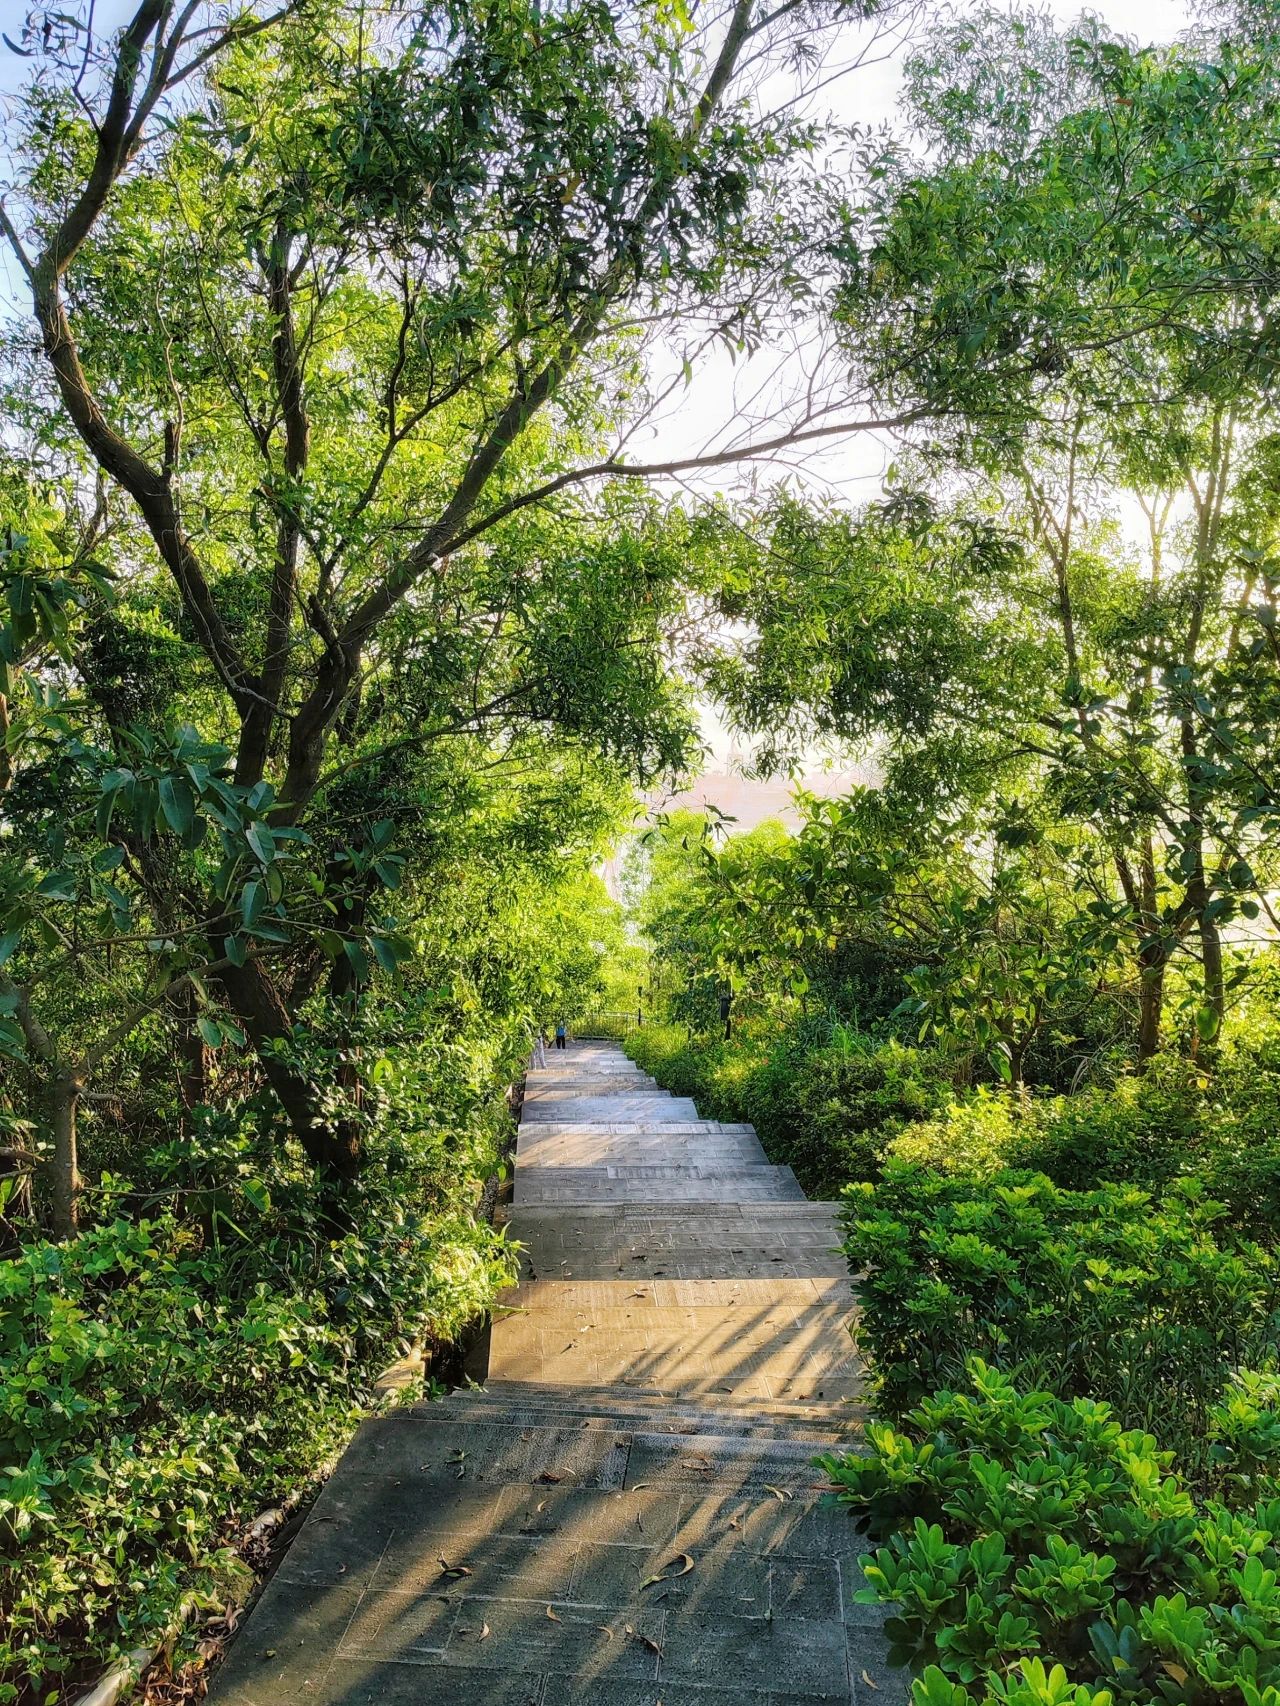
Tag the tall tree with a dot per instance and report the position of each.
(338, 300)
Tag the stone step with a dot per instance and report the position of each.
(598, 1084)
(598, 1151)
(634, 1128)
(790, 1347)
(653, 1186)
(822, 1422)
(628, 1511)
(644, 1108)
(490, 1566)
(679, 1241)
(729, 1175)
(535, 1136)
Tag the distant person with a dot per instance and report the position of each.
(560, 1034)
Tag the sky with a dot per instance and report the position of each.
(852, 470)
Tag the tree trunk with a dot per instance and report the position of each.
(1215, 993)
(1151, 1002)
(64, 1099)
(333, 1145)
(193, 1057)
(1153, 958)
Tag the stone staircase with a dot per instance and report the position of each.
(627, 1512)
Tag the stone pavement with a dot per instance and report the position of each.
(627, 1513)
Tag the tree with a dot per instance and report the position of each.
(336, 301)
(1070, 342)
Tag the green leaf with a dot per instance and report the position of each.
(258, 1194)
(262, 842)
(178, 804)
(1206, 1023)
(359, 959)
(211, 1032)
(58, 885)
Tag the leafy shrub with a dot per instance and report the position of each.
(1242, 1135)
(161, 1378)
(826, 1112)
(1101, 1293)
(971, 1138)
(1148, 1129)
(1042, 1552)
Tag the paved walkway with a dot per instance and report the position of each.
(627, 1513)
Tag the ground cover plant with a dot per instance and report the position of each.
(1040, 1552)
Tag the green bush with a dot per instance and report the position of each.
(1175, 1122)
(1104, 1293)
(162, 1378)
(1043, 1553)
(973, 1137)
(828, 1112)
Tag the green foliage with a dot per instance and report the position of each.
(1103, 1293)
(828, 1113)
(164, 1376)
(1034, 1540)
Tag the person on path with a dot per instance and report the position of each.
(560, 1034)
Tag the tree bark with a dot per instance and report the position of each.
(331, 1144)
(1151, 1001)
(193, 1057)
(64, 1101)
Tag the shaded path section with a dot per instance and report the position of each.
(627, 1513)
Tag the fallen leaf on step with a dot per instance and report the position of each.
(484, 1631)
(734, 1523)
(869, 1683)
(605, 1630)
(669, 1573)
(638, 1486)
(778, 1492)
(552, 1616)
(543, 1505)
(454, 1570)
(550, 1477)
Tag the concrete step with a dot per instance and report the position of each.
(567, 1186)
(634, 1128)
(644, 1108)
(823, 1423)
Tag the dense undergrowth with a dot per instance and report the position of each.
(200, 1351)
(1070, 1313)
